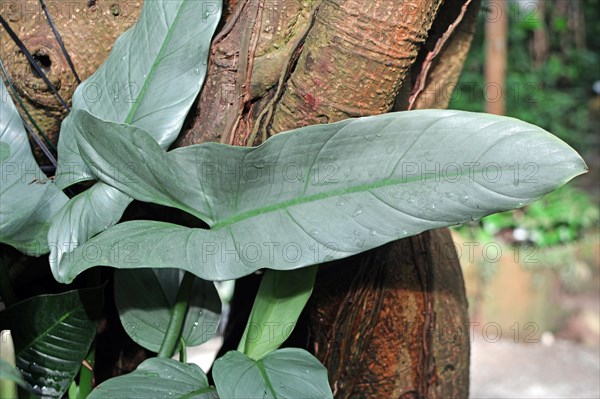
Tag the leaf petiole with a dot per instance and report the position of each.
(182, 351)
(171, 341)
(86, 374)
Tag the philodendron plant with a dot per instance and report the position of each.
(302, 198)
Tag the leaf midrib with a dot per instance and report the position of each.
(152, 71)
(197, 392)
(334, 193)
(51, 327)
(263, 372)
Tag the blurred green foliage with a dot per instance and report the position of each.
(555, 94)
(559, 218)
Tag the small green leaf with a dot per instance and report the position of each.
(144, 299)
(285, 373)
(52, 335)
(281, 298)
(318, 193)
(158, 378)
(29, 198)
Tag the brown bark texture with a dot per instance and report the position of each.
(389, 323)
(496, 41)
(88, 30)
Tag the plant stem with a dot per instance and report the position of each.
(182, 351)
(171, 341)
(86, 376)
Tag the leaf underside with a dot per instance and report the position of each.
(281, 298)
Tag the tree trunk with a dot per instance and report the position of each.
(391, 322)
(496, 40)
(88, 30)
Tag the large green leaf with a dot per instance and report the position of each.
(150, 79)
(52, 335)
(29, 199)
(158, 379)
(285, 373)
(146, 297)
(318, 193)
(281, 298)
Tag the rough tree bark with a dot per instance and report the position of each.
(88, 29)
(496, 43)
(391, 322)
